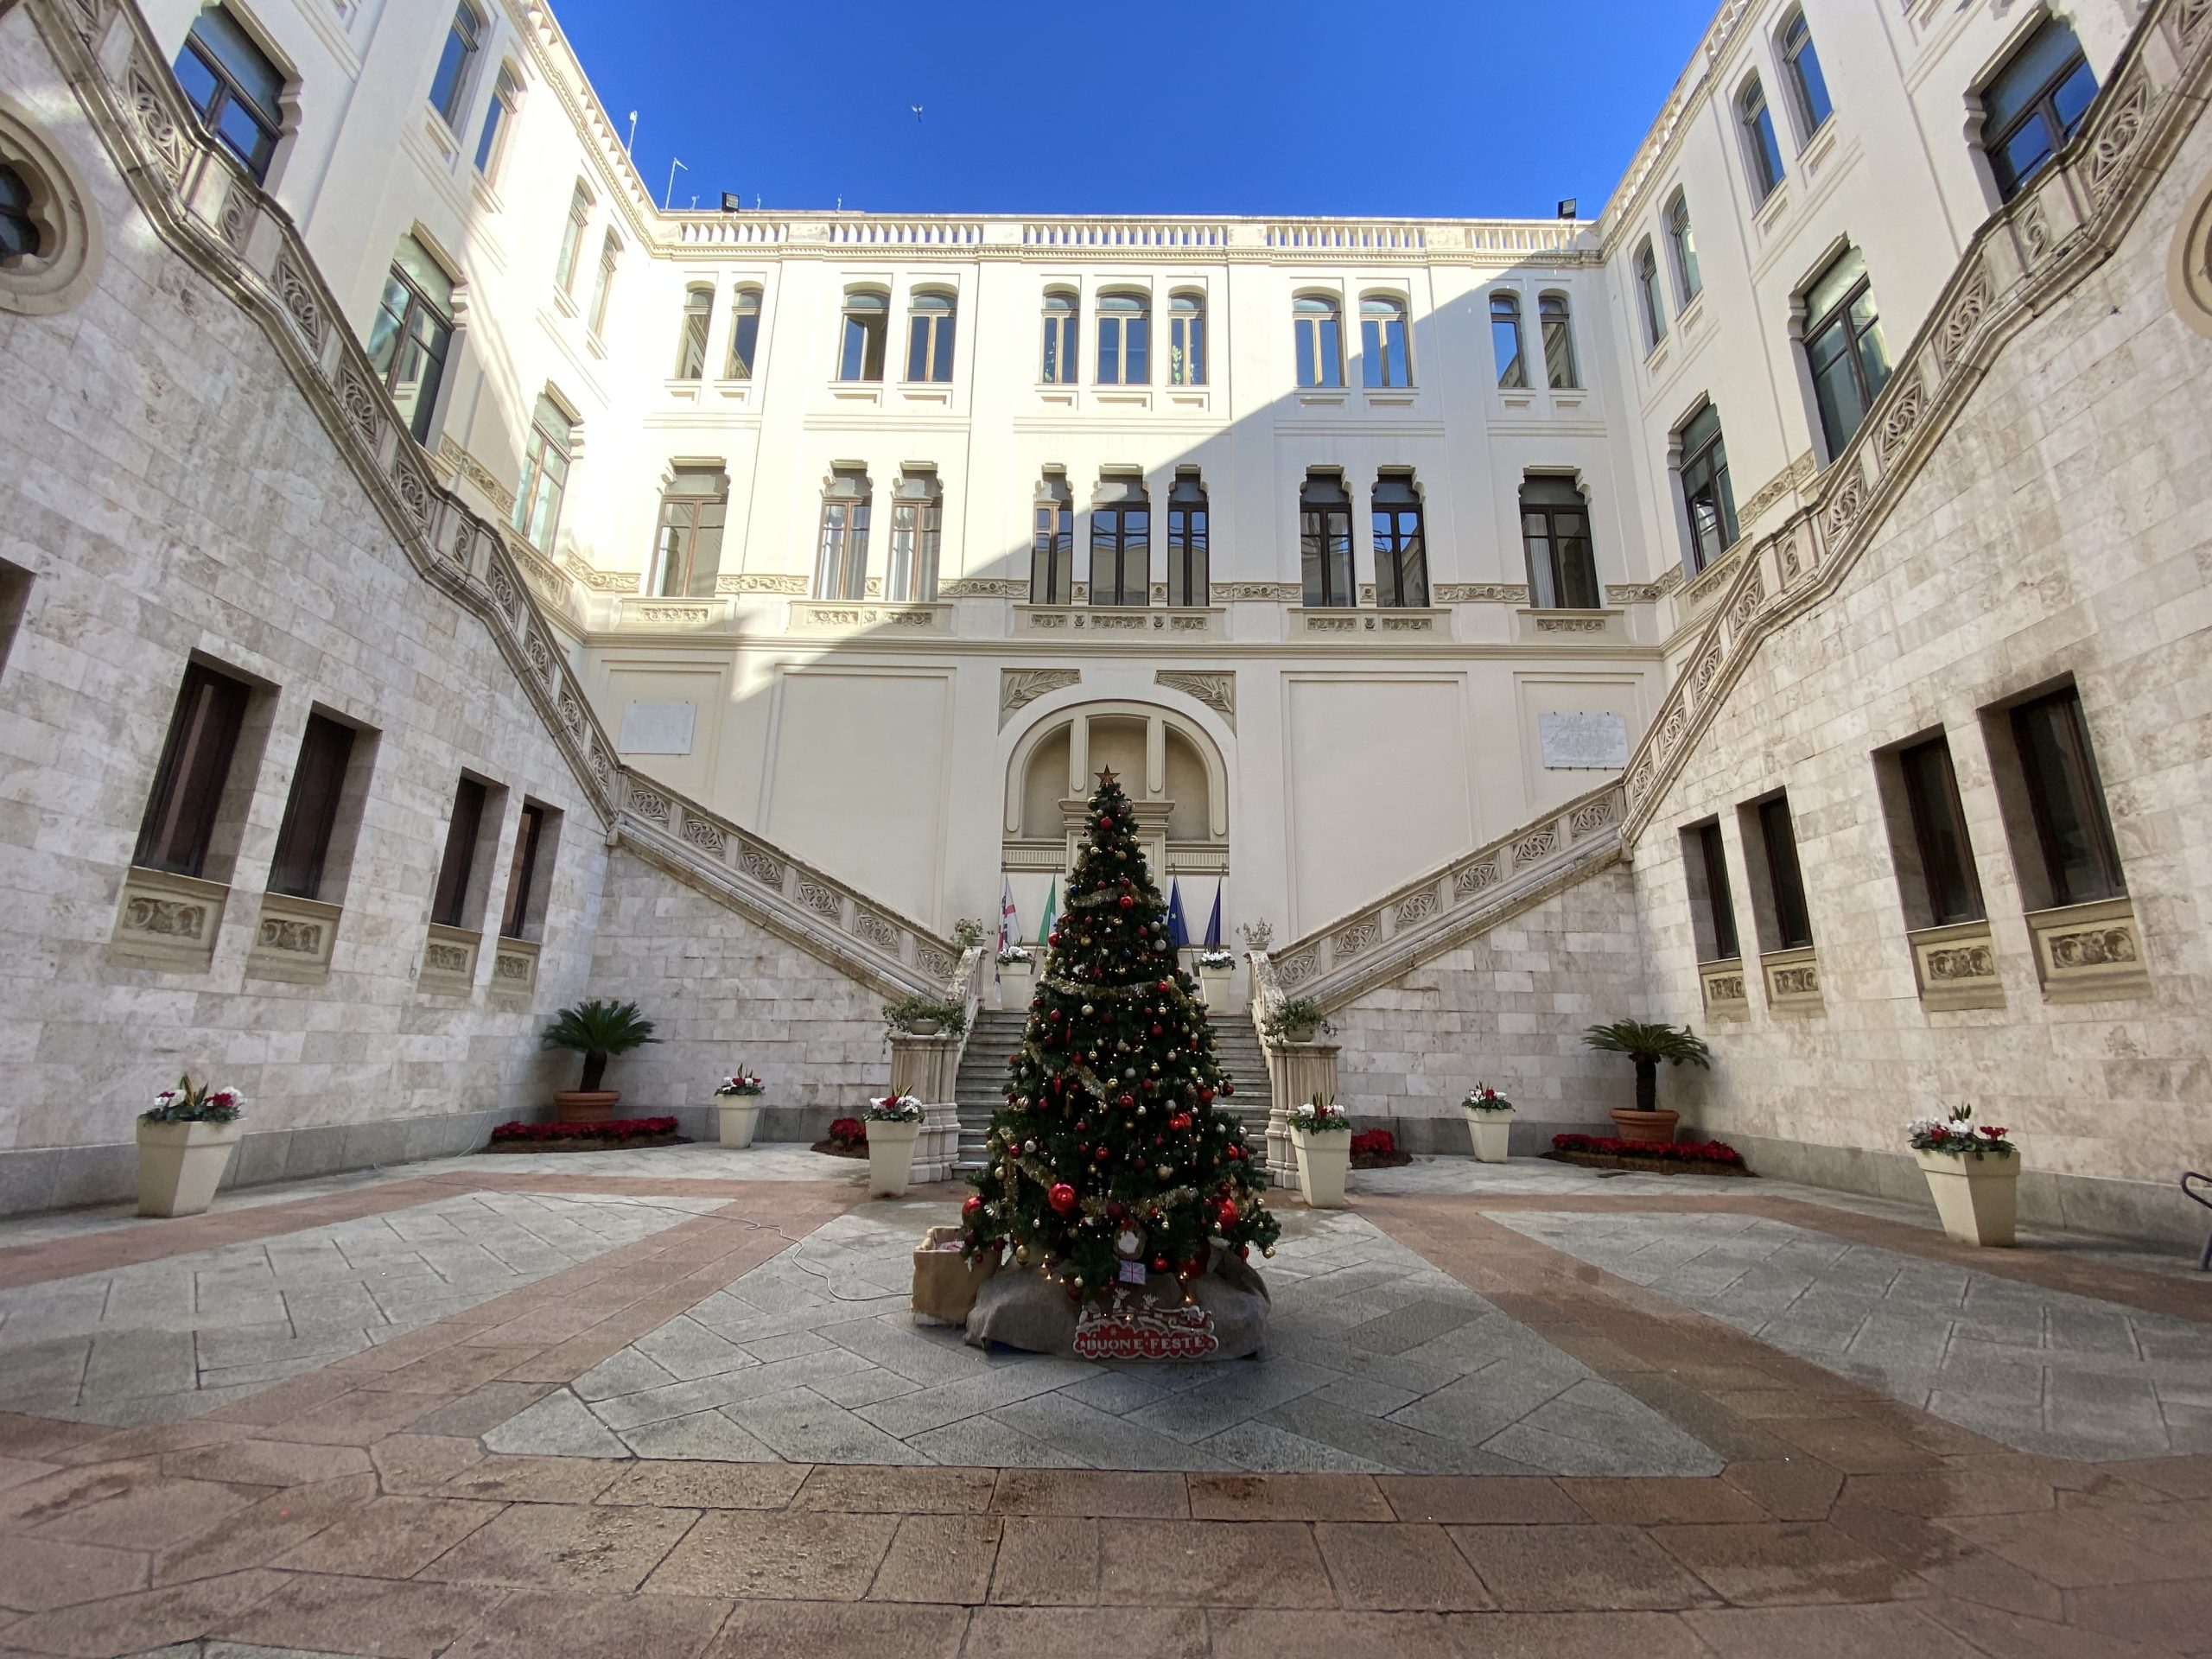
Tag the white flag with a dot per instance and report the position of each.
(1009, 923)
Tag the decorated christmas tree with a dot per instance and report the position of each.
(1114, 1161)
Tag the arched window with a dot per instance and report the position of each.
(572, 239)
(1844, 347)
(840, 558)
(499, 119)
(1808, 87)
(1057, 366)
(693, 511)
(1505, 340)
(1382, 345)
(1555, 532)
(545, 479)
(917, 528)
(744, 332)
(1189, 578)
(1318, 335)
(864, 323)
(1186, 340)
(1682, 245)
(412, 332)
(1051, 552)
(929, 337)
(1121, 541)
(1401, 550)
(1559, 367)
(1762, 151)
(602, 288)
(1647, 297)
(1708, 495)
(1124, 340)
(691, 342)
(2032, 106)
(1324, 541)
(457, 64)
(236, 92)
(20, 238)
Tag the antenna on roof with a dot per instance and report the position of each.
(631, 143)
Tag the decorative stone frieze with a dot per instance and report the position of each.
(750, 583)
(514, 971)
(1482, 593)
(1562, 627)
(169, 922)
(1726, 995)
(293, 939)
(1793, 981)
(2090, 953)
(1020, 687)
(674, 615)
(828, 616)
(448, 962)
(1216, 688)
(1956, 966)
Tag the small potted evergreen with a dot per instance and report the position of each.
(1973, 1175)
(597, 1030)
(1320, 1133)
(1017, 976)
(1489, 1121)
(1214, 969)
(924, 1016)
(894, 1123)
(738, 1101)
(184, 1145)
(1296, 1021)
(1646, 1044)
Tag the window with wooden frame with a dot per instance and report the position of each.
(234, 89)
(602, 290)
(498, 121)
(1186, 340)
(1844, 347)
(1188, 571)
(1056, 364)
(1401, 546)
(1505, 341)
(545, 481)
(412, 334)
(1682, 244)
(1052, 548)
(929, 319)
(1712, 905)
(2034, 105)
(572, 237)
(1556, 534)
(464, 829)
(21, 239)
(917, 531)
(1560, 368)
(529, 871)
(1316, 336)
(693, 509)
(1707, 497)
(691, 338)
(841, 553)
(1125, 341)
(179, 827)
(1648, 301)
(2066, 799)
(311, 810)
(1808, 87)
(1324, 541)
(744, 333)
(1121, 543)
(1384, 343)
(456, 68)
(1787, 916)
(1938, 833)
(1762, 151)
(861, 327)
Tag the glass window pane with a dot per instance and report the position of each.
(2029, 70)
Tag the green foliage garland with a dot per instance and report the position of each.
(1111, 1123)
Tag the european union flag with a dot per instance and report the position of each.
(1177, 934)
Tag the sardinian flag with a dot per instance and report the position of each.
(1009, 921)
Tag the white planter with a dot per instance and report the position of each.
(1490, 1132)
(1213, 986)
(1017, 984)
(739, 1114)
(890, 1158)
(1977, 1195)
(180, 1165)
(1324, 1162)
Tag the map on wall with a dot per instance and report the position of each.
(1583, 742)
(660, 728)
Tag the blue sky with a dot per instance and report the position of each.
(1426, 107)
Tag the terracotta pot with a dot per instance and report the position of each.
(1645, 1126)
(180, 1165)
(585, 1105)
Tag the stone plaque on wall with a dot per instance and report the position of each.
(1583, 742)
(659, 727)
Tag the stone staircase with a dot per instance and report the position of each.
(980, 1090)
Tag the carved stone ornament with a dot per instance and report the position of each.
(706, 836)
(1964, 317)
(1471, 879)
(1217, 689)
(1362, 935)
(1020, 687)
(2125, 114)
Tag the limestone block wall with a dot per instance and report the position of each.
(725, 995)
(2059, 528)
(1507, 1009)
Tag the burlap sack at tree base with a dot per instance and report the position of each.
(1021, 1308)
(944, 1284)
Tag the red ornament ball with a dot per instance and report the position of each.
(973, 1204)
(1169, 985)
(1227, 1086)
(1127, 903)
(1101, 1154)
(1052, 938)
(1159, 1264)
(1228, 1215)
(1061, 1197)
(1180, 1122)
(1205, 1094)
(1104, 822)
(1192, 1268)
(1128, 1101)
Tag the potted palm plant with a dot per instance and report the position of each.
(1320, 1133)
(184, 1145)
(1646, 1044)
(738, 1101)
(1973, 1175)
(894, 1123)
(1490, 1121)
(599, 1031)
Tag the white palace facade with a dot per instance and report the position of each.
(436, 583)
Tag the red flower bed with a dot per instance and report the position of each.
(1379, 1142)
(1669, 1152)
(618, 1129)
(848, 1132)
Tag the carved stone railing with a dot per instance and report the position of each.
(2069, 221)
(1442, 908)
(212, 215)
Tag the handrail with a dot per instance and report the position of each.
(965, 991)
(217, 217)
